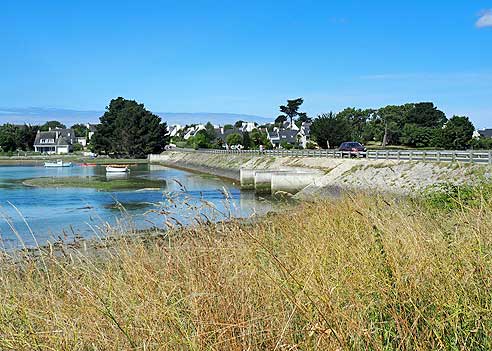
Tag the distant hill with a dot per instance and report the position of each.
(37, 115)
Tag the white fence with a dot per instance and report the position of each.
(472, 156)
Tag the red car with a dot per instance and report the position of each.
(354, 148)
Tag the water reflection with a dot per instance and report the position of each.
(51, 212)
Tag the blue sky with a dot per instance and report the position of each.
(247, 57)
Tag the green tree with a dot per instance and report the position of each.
(330, 130)
(228, 126)
(285, 145)
(259, 137)
(128, 129)
(291, 110)
(280, 120)
(390, 120)
(234, 139)
(238, 124)
(457, 133)
(80, 130)
(247, 141)
(26, 137)
(77, 147)
(304, 118)
(422, 125)
(53, 125)
(9, 137)
(415, 136)
(358, 120)
(425, 114)
(481, 143)
(200, 140)
(210, 132)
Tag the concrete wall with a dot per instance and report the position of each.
(402, 177)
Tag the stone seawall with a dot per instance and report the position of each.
(402, 177)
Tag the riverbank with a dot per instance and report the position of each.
(392, 176)
(97, 183)
(40, 159)
(355, 273)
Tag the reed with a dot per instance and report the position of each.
(361, 272)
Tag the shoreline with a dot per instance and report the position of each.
(379, 176)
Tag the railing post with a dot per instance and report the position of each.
(471, 156)
(490, 157)
(410, 155)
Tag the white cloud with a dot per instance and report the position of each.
(485, 19)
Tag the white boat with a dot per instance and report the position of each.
(58, 163)
(117, 169)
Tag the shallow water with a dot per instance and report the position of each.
(53, 213)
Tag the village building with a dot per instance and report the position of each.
(56, 141)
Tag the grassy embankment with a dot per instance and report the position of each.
(98, 183)
(355, 273)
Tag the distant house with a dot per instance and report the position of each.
(81, 140)
(248, 126)
(485, 133)
(287, 125)
(92, 130)
(193, 130)
(277, 137)
(174, 130)
(224, 133)
(304, 134)
(56, 141)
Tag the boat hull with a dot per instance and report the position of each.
(120, 170)
(57, 164)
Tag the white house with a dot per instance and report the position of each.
(56, 141)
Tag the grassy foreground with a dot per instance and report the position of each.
(98, 183)
(363, 273)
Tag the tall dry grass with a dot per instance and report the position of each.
(355, 273)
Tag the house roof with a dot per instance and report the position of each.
(486, 133)
(289, 136)
(60, 136)
(227, 132)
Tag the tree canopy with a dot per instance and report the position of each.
(80, 130)
(234, 139)
(330, 130)
(128, 129)
(291, 110)
(52, 125)
(457, 133)
(13, 137)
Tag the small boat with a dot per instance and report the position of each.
(58, 163)
(88, 164)
(117, 169)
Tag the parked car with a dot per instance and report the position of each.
(354, 148)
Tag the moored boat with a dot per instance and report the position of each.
(117, 169)
(58, 163)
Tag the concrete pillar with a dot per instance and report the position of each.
(263, 182)
(247, 178)
(292, 182)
